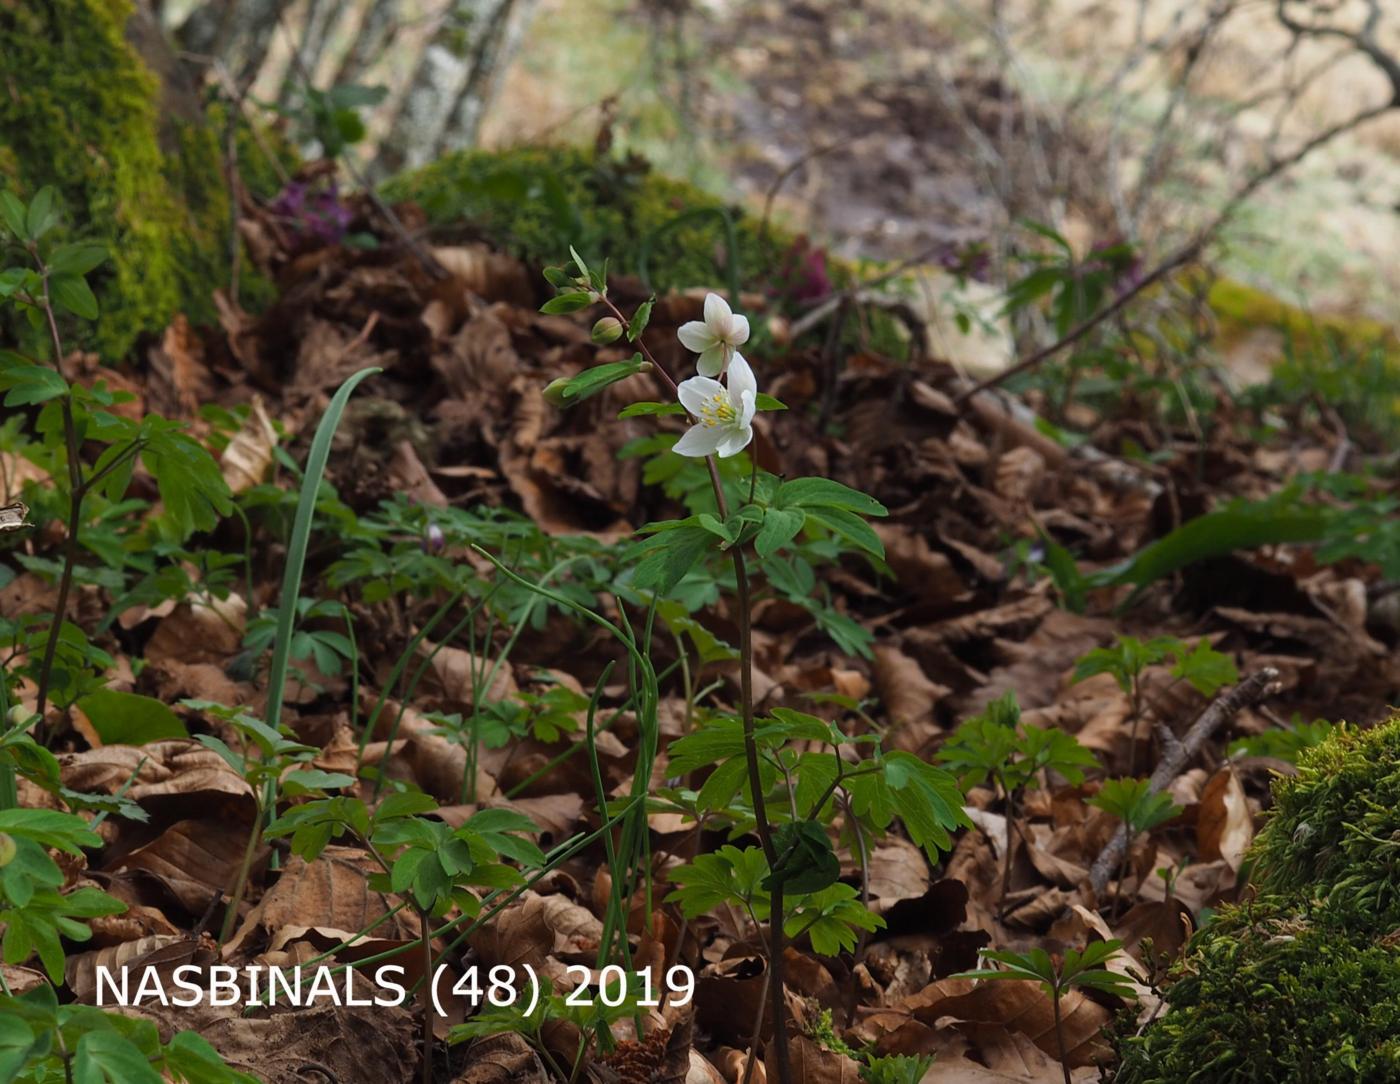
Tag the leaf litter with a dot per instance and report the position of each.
(456, 420)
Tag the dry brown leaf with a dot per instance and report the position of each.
(1224, 823)
(286, 1045)
(897, 871)
(457, 675)
(925, 572)
(502, 1059)
(535, 928)
(171, 775)
(909, 696)
(1019, 473)
(332, 892)
(197, 860)
(161, 955)
(248, 456)
(810, 1063)
(1018, 1006)
(208, 631)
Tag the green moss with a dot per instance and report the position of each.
(79, 110)
(1305, 983)
(1275, 994)
(1334, 834)
(1240, 309)
(536, 201)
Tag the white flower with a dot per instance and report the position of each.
(716, 337)
(723, 416)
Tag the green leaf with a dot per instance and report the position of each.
(824, 493)
(16, 1041)
(764, 401)
(567, 393)
(1214, 535)
(1205, 669)
(570, 302)
(663, 560)
(780, 526)
(639, 320)
(107, 1056)
(29, 384)
(639, 410)
(849, 526)
(42, 214)
(12, 212)
(1133, 802)
(806, 862)
(72, 294)
(130, 718)
(76, 259)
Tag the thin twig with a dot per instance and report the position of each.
(1177, 752)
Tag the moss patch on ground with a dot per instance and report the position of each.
(148, 187)
(1304, 983)
(536, 201)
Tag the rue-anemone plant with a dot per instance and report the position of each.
(790, 779)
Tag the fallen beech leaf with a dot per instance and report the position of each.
(1022, 1007)
(196, 860)
(160, 954)
(810, 1063)
(502, 1059)
(1224, 823)
(248, 456)
(331, 892)
(908, 694)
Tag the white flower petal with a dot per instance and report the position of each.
(697, 391)
(712, 361)
(701, 440)
(717, 313)
(741, 379)
(747, 408)
(734, 441)
(696, 336)
(738, 330)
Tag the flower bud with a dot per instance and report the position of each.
(8, 850)
(434, 541)
(607, 330)
(554, 392)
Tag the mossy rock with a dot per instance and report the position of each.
(1304, 983)
(536, 201)
(1271, 994)
(1241, 309)
(139, 172)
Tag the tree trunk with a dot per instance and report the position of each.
(491, 55)
(452, 81)
(378, 25)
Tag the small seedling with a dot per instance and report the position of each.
(988, 746)
(1077, 970)
(1140, 809)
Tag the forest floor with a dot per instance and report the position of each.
(455, 427)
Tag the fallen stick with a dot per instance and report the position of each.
(1177, 752)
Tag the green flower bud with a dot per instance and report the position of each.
(554, 392)
(8, 850)
(607, 330)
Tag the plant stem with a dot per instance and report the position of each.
(427, 997)
(760, 811)
(1006, 857)
(240, 883)
(75, 501)
(1060, 1033)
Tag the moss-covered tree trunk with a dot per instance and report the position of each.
(92, 101)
